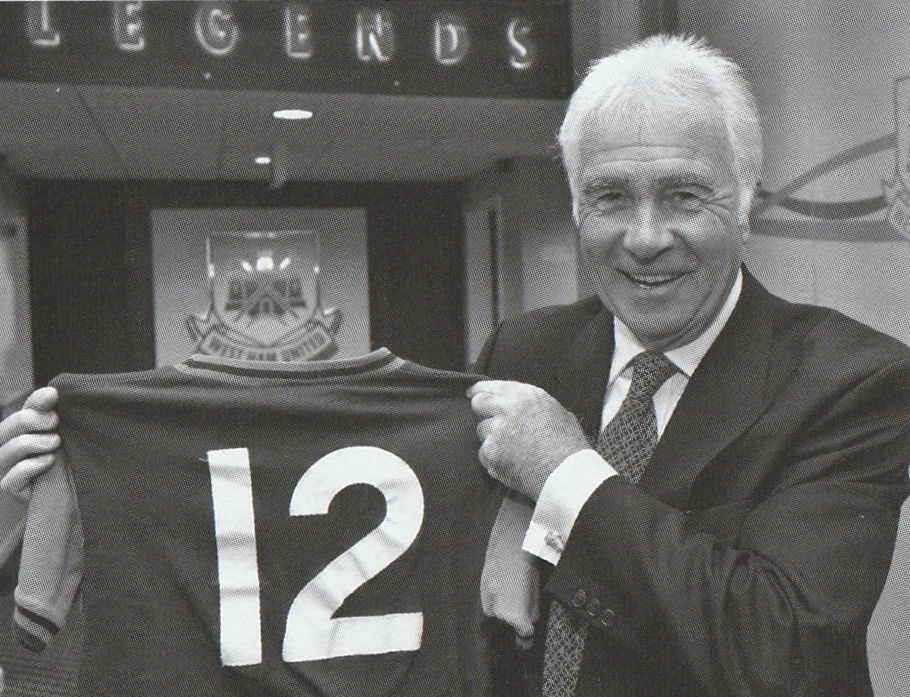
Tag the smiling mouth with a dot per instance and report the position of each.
(655, 281)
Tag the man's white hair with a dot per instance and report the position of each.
(653, 79)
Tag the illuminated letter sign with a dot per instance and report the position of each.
(216, 29)
(38, 25)
(128, 26)
(450, 39)
(512, 49)
(375, 36)
(298, 38)
(522, 51)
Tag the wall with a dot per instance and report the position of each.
(542, 212)
(15, 314)
(602, 26)
(92, 269)
(534, 256)
(825, 74)
(85, 265)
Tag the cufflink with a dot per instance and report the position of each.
(554, 541)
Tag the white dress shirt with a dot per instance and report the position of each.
(572, 483)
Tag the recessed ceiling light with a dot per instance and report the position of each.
(263, 160)
(293, 114)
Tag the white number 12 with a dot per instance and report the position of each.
(311, 633)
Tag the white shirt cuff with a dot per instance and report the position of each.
(563, 495)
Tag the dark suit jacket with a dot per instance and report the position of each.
(749, 558)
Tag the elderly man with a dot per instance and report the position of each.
(716, 491)
(713, 487)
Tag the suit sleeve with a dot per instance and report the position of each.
(770, 595)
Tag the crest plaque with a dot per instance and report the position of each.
(264, 299)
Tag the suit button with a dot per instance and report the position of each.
(593, 608)
(607, 618)
(579, 599)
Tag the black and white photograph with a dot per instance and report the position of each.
(454, 348)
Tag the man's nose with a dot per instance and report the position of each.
(648, 232)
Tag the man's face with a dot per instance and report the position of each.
(659, 223)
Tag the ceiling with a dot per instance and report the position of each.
(125, 133)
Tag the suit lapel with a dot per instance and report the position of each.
(581, 379)
(723, 398)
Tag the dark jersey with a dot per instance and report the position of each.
(279, 529)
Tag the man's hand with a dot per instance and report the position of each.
(524, 433)
(26, 447)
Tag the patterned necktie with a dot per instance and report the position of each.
(627, 443)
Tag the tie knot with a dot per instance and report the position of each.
(650, 370)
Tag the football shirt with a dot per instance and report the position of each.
(279, 529)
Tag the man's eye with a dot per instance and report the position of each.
(608, 200)
(686, 199)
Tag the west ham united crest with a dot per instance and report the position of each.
(265, 299)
